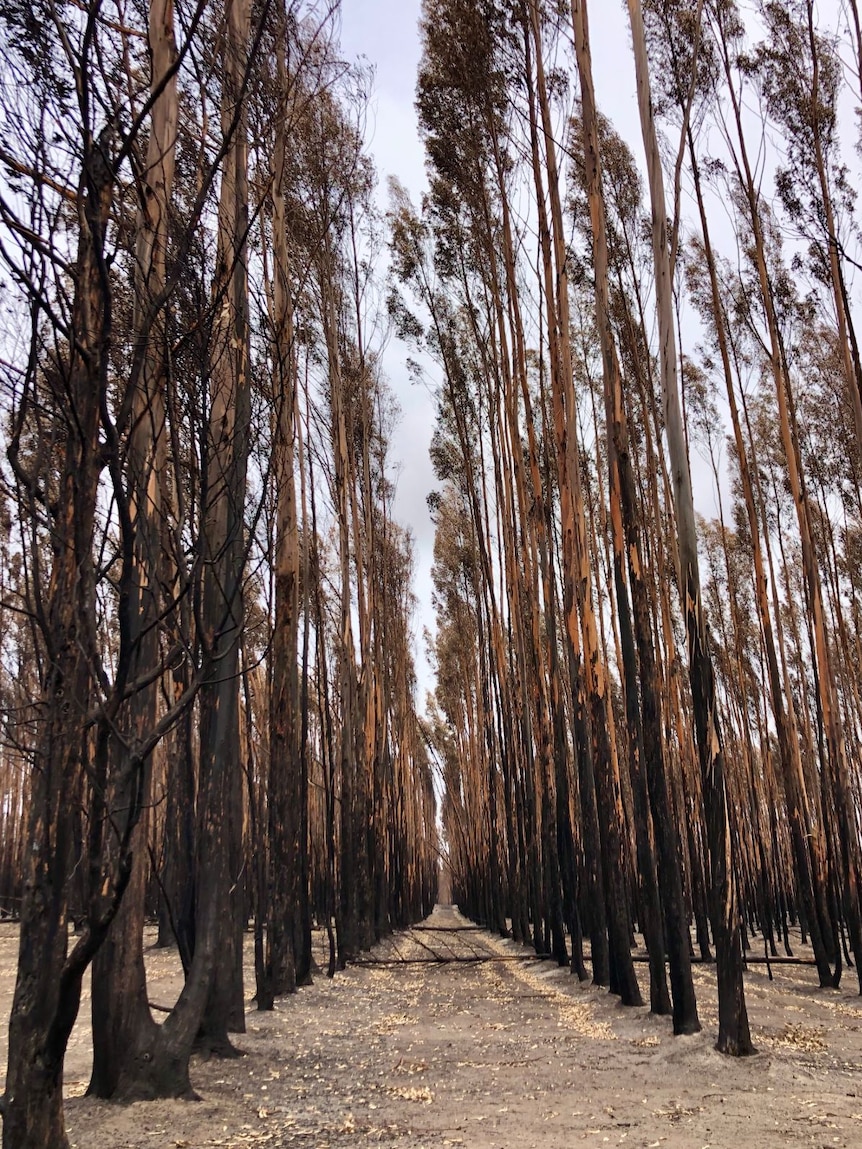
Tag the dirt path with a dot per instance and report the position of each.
(493, 1055)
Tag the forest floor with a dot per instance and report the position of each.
(491, 1055)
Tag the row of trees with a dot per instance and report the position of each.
(207, 676)
(643, 719)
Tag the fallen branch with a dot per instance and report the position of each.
(451, 960)
(449, 929)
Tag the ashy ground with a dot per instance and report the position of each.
(508, 1053)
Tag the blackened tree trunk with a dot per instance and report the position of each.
(224, 550)
(119, 998)
(577, 575)
(285, 785)
(177, 880)
(628, 551)
(733, 1032)
(48, 984)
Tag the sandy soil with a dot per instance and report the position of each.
(492, 1055)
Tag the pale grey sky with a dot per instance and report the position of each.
(386, 33)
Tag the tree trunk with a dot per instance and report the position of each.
(224, 553)
(119, 999)
(644, 726)
(733, 1032)
(576, 556)
(48, 983)
(285, 785)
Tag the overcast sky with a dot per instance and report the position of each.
(386, 33)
